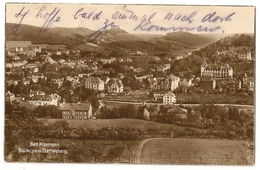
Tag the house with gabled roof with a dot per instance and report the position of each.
(80, 111)
(169, 98)
(95, 83)
(115, 86)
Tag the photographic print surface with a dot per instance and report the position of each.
(136, 84)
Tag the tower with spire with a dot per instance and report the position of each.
(203, 67)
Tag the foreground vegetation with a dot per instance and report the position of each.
(23, 126)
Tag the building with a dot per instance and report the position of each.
(9, 96)
(207, 84)
(35, 78)
(94, 83)
(44, 100)
(251, 83)
(230, 85)
(121, 75)
(185, 82)
(26, 82)
(247, 81)
(58, 82)
(138, 53)
(169, 98)
(158, 96)
(37, 49)
(216, 71)
(146, 114)
(76, 110)
(36, 92)
(167, 83)
(108, 60)
(163, 68)
(31, 51)
(48, 59)
(17, 46)
(244, 54)
(141, 78)
(180, 113)
(16, 58)
(115, 86)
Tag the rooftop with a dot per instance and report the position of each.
(75, 106)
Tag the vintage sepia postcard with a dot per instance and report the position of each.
(134, 84)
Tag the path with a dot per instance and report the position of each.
(138, 150)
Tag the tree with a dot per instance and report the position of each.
(94, 102)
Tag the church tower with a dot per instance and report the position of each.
(203, 67)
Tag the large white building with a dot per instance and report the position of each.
(170, 82)
(95, 83)
(216, 71)
(44, 100)
(76, 110)
(169, 98)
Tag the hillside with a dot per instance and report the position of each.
(189, 39)
(115, 38)
(226, 44)
(67, 36)
(210, 53)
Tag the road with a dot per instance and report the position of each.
(141, 103)
(136, 155)
(138, 151)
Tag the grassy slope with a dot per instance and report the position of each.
(132, 123)
(211, 151)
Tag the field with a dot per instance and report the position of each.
(215, 98)
(196, 151)
(134, 95)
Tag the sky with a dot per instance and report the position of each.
(221, 19)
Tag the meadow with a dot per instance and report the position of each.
(196, 151)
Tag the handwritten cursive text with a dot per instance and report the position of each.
(96, 34)
(85, 15)
(20, 14)
(48, 17)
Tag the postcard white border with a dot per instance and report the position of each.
(42, 166)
